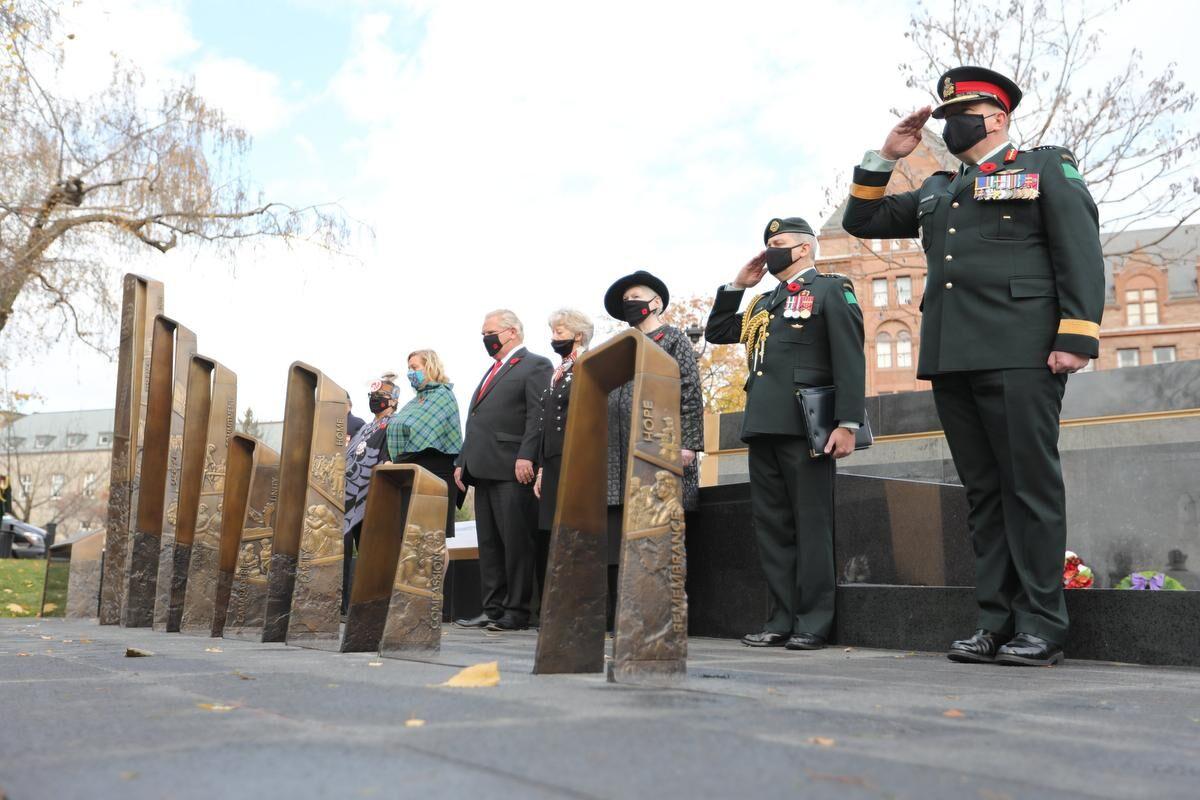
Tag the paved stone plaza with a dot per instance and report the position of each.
(81, 720)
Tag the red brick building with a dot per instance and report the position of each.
(1151, 315)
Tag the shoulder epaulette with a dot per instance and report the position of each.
(837, 275)
(948, 173)
(1065, 153)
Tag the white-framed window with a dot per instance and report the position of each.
(879, 292)
(883, 351)
(89, 484)
(1128, 357)
(876, 245)
(76, 439)
(904, 290)
(42, 442)
(895, 244)
(26, 482)
(1164, 354)
(57, 481)
(1141, 307)
(904, 349)
(14, 442)
(104, 438)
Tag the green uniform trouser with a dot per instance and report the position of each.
(1002, 429)
(791, 495)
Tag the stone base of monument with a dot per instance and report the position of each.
(879, 535)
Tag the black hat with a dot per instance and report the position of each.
(614, 302)
(788, 225)
(971, 84)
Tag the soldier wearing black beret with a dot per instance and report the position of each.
(1012, 305)
(807, 330)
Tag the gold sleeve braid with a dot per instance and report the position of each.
(749, 313)
(754, 330)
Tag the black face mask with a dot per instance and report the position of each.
(963, 131)
(562, 346)
(779, 259)
(378, 402)
(637, 310)
(491, 343)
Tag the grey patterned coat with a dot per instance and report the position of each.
(620, 415)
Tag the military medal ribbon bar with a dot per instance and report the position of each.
(1007, 186)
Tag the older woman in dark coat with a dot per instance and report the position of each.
(570, 333)
(640, 299)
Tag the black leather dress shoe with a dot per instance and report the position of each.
(979, 648)
(481, 621)
(765, 639)
(1027, 650)
(507, 623)
(805, 641)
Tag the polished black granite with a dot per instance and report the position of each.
(1106, 624)
(1133, 390)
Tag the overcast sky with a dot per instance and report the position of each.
(504, 154)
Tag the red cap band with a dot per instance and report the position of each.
(966, 87)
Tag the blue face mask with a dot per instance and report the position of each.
(416, 377)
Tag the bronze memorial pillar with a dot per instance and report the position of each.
(396, 596)
(170, 341)
(142, 298)
(200, 591)
(184, 512)
(650, 644)
(304, 582)
(185, 348)
(246, 538)
(83, 585)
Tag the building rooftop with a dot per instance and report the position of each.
(59, 432)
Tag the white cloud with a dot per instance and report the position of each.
(249, 96)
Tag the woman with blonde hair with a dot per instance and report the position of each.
(570, 333)
(426, 431)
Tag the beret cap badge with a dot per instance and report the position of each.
(774, 226)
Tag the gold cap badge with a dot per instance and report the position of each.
(947, 89)
(774, 226)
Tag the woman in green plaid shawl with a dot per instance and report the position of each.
(426, 431)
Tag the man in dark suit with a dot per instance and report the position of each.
(1012, 306)
(497, 458)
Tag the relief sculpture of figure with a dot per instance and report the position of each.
(321, 532)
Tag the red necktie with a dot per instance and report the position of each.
(488, 380)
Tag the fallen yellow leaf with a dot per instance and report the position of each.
(23, 654)
(213, 650)
(413, 723)
(16, 608)
(8, 591)
(214, 707)
(953, 713)
(47, 638)
(374, 663)
(133, 652)
(476, 676)
(821, 741)
(46, 609)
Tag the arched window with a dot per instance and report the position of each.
(1141, 305)
(904, 349)
(883, 351)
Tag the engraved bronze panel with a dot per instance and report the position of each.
(396, 595)
(200, 593)
(87, 567)
(246, 550)
(142, 299)
(56, 578)
(305, 577)
(170, 340)
(185, 348)
(650, 644)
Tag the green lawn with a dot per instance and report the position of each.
(21, 586)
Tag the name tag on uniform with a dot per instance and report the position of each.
(1007, 187)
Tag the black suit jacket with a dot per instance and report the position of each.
(554, 402)
(502, 424)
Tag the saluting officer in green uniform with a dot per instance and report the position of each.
(1012, 305)
(806, 331)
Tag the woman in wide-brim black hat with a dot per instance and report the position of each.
(639, 299)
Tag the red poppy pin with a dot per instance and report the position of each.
(988, 168)
(516, 360)
(794, 287)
